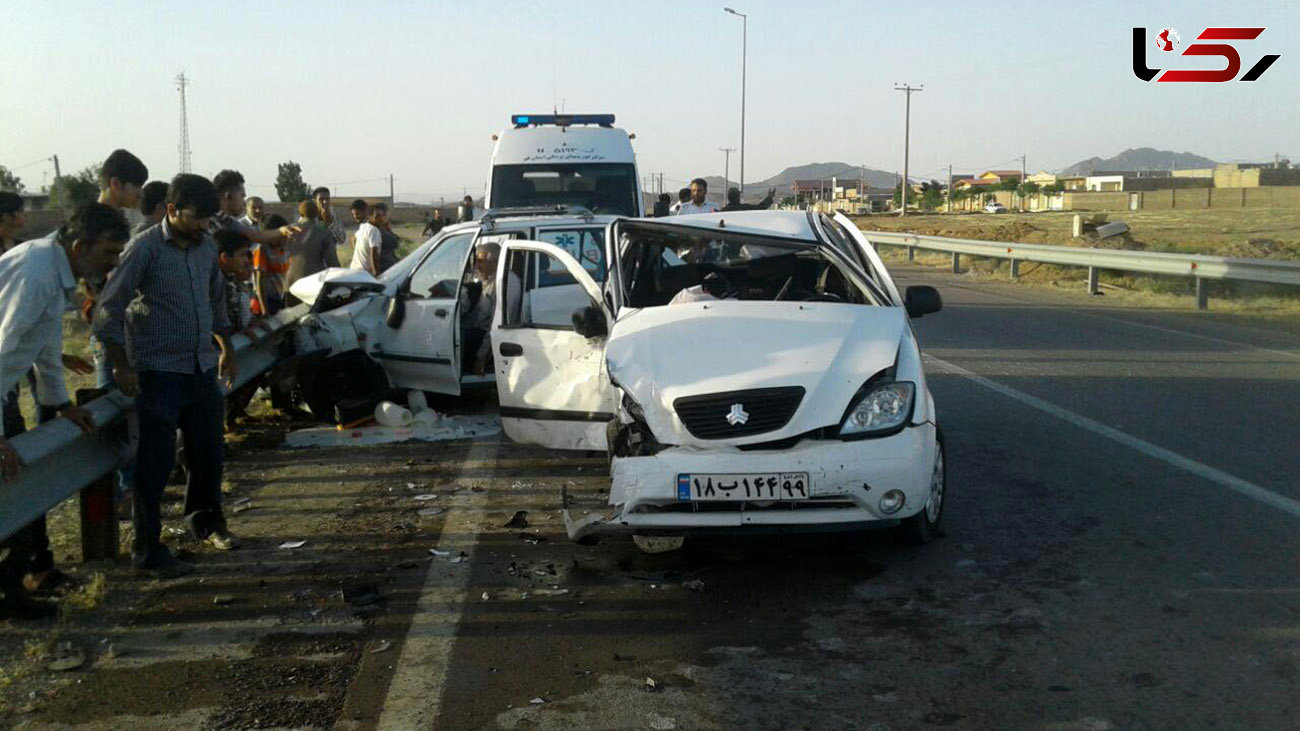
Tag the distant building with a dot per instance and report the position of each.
(1255, 175)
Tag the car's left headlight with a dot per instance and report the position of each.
(884, 407)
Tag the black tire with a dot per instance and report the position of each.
(346, 377)
(920, 529)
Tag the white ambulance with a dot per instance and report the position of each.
(575, 161)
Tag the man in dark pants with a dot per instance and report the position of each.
(38, 281)
(162, 347)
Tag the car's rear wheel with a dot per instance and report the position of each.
(925, 525)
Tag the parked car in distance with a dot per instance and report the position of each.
(994, 207)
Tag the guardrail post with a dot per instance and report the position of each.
(99, 538)
(1094, 275)
(1202, 294)
(1015, 268)
(956, 263)
(911, 253)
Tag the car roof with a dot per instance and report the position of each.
(786, 224)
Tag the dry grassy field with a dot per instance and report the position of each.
(1265, 233)
(1272, 233)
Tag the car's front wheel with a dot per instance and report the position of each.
(925, 525)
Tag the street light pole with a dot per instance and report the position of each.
(907, 133)
(744, 43)
(726, 169)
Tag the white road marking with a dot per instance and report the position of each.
(1232, 482)
(414, 697)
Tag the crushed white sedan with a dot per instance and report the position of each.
(744, 372)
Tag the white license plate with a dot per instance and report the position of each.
(701, 487)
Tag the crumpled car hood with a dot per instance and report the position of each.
(659, 354)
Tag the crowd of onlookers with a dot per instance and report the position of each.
(165, 273)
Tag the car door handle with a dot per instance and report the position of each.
(440, 313)
(510, 350)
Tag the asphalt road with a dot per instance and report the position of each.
(1120, 553)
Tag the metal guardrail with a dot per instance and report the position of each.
(59, 460)
(1198, 266)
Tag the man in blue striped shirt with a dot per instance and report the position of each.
(159, 317)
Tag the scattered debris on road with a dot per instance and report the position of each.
(519, 521)
(293, 544)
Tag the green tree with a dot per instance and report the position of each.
(289, 185)
(931, 195)
(1053, 189)
(75, 191)
(898, 195)
(9, 181)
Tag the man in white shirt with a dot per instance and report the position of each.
(365, 254)
(255, 210)
(697, 203)
(38, 281)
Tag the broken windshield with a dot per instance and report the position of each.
(664, 266)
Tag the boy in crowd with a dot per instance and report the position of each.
(270, 264)
(169, 359)
(121, 180)
(153, 205)
(236, 264)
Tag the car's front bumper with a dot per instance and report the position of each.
(847, 481)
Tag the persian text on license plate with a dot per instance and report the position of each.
(743, 486)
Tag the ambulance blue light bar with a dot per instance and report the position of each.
(561, 120)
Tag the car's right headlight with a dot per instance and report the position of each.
(883, 408)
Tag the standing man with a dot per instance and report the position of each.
(230, 194)
(38, 280)
(467, 211)
(121, 180)
(153, 205)
(683, 196)
(12, 219)
(388, 241)
(309, 251)
(434, 224)
(159, 317)
(332, 222)
(698, 202)
(476, 324)
(734, 204)
(369, 241)
(255, 210)
(360, 211)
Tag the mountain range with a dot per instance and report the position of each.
(812, 171)
(1140, 158)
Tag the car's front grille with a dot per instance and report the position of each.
(738, 413)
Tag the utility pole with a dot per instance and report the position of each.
(726, 169)
(907, 89)
(392, 199)
(58, 182)
(184, 147)
(1023, 180)
(950, 188)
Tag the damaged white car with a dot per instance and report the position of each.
(744, 371)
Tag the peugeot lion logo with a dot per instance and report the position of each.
(737, 415)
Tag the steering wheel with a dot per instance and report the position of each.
(824, 297)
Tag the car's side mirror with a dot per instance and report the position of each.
(396, 309)
(589, 322)
(922, 300)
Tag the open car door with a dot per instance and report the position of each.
(551, 379)
(880, 275)
(421, 351)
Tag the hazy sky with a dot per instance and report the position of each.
(355, 91)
